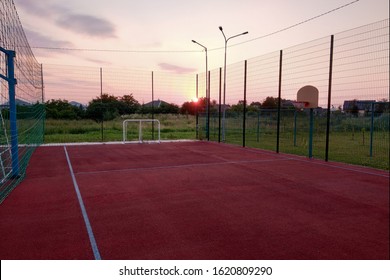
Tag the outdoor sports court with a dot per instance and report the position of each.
(193, 200)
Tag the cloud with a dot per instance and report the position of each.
(45, 46)
(86, 24)
(34, 7)
(175, 68)
(98, 62)
(39, 40)
(64, 17)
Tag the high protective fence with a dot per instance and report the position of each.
(351, 71)
(22, 114)
(96, 115)
(351, 124)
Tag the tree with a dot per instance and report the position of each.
(104, 108)
(270, 103)
(273, 103)
(62, 109)
(254, 107)
(382, 106)
(198, 107)
(239, 107)
(189, 108)
(166, 108)
(129, 104)
(201, 104)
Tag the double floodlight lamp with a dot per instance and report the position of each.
(224, 80)
(244, 33)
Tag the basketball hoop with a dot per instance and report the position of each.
(309, 96)
(300, 105)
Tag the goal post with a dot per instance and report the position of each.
(140, 121)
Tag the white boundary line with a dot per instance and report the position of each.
(304, 159)
(330, 164)
(180, 166)
(115, 143)
(83, 210)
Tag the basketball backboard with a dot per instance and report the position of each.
(309, 96)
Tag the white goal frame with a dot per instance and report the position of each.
(140, 121)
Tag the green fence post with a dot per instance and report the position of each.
(295, 128)
(279, 101)
(196, 111)
(311, 132)
(372, 128)
(258, 125)
(244, 109)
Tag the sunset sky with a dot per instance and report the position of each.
(156, 35)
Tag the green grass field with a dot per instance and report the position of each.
(172, 127)
(349, 139)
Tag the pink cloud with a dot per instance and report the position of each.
(175, 68)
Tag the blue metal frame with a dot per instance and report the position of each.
(12, 108)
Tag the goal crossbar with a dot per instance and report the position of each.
(140, 121)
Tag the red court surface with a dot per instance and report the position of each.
(193, 200)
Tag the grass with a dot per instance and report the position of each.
(349, 138)
(172, 127)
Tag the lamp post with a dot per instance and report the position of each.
(224, 80)
(207, 94)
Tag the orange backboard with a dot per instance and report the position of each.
(309, 95)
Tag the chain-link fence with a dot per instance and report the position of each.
(351, 124)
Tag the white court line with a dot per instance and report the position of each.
(343, 168)
(178, 166)
(115, 143)
(251, 150)
(84, 211)
(313, 161)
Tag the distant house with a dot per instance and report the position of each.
(156, 104)
(287, 104)
(160, 107)
(357, 106)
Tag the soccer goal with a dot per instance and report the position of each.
(140, 122)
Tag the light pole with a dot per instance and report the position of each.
(224, 80)
(207, 94)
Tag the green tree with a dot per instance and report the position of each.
(382, 106)
(202, 104)
(104, 108)
(239, 107)
(254, 107)
(270, 103)
(62, 109)
(192, 107)
(166, 108)
(129, 104)
(189, 108)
